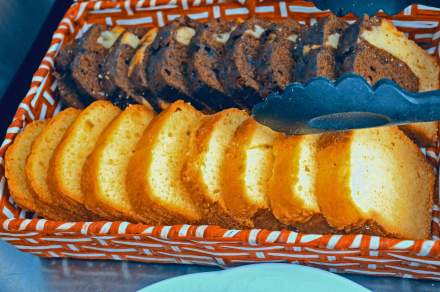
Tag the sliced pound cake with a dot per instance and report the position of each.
(66, 165)
(154, 184)
(292, 186)
(15, 161)
(375, 177)
(37, 164)
(104, 174)
(245, 175)
(202, 173)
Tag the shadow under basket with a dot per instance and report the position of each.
(207, 245)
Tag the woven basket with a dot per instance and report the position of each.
(207, 245)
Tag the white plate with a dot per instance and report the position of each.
(258, 277)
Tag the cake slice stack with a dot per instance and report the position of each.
(184, 167)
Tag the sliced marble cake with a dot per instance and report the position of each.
(115, 68)
(316, 49)
(206, 56)
(275, 66)
(168, 63)
(372, 62)
(67, 89)
(89, 59)
(137, 72)
(375, 49)
(239, 72)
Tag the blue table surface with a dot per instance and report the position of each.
(25, 272)
(20, 22)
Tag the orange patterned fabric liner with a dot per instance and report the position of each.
(207, 245)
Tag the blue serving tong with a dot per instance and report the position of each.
(370, 7)
(347, 103)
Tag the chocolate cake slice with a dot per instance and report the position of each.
(239, 72)
(275, 66)
(138, 71)
(67, 89)
(89, 59)
(206, 54)
(168, 62)
(116, 67)
(316, 49)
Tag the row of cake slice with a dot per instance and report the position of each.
(227, 63)
(184, 167)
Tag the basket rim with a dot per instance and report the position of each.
(77, 11)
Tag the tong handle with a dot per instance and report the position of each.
(370, 7)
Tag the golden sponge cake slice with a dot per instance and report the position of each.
(375, 177)
(154, 183)
(66, 165)
(245, 175)
(37, 164)
(292, 186)
(104, 174)
(15, 162)
(202, 174)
